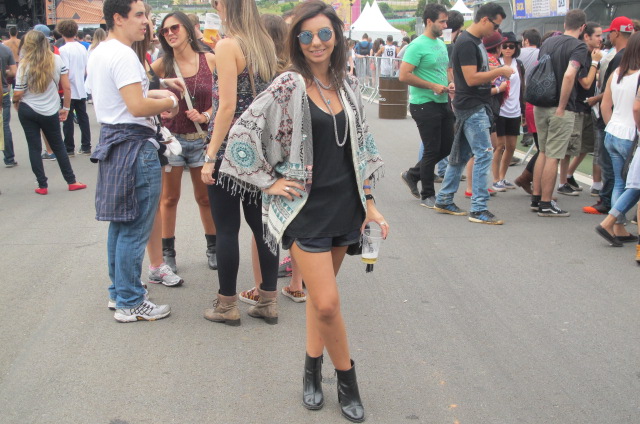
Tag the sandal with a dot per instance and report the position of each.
(249, 296)
(297, 296)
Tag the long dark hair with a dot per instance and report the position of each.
(631, 57)
(338, 68)
(278, 30)
(168, 58)
(141, 47)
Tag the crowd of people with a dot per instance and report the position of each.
(573, 92)
(270, 119)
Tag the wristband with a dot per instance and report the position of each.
(175, 101)
(162, 83)
(369, 197)
(594, 63)
(366, 187)
(206, 115)
(66, 108)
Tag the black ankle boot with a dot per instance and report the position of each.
(312, 397)
(169, 253)
(349, 396)
(212, 258)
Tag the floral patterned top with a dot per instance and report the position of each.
(245, 96)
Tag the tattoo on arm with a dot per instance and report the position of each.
(574, 64)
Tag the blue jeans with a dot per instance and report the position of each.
(9, 156)
(604, 160)
(127, 240)
(476, 130)
(619, 149)
(625, 202)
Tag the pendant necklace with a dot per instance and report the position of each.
(327, 103)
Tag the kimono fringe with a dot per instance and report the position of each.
(240, 188)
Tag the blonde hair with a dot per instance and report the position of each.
(38, 58)
(244, 25)
(98, 37)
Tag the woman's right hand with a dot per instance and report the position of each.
(174, 84)
(207, 173)
(286, 188)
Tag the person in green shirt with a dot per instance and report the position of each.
(424, 68)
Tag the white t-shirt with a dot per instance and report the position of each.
(48, 102)
(114, 65)
(511, 107)
(74, 56)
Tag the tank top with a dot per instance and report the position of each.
(244, 98)
(199, 87)
(622, 124)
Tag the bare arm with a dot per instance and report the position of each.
(636, 109)
(606, 107)
(407, 76)
(587, 81)
(473, 77)
(140, 106)
(568, 81)
(11, 71)
(66, 101)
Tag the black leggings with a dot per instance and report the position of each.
(225, 209)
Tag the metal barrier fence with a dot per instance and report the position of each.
(369, 69)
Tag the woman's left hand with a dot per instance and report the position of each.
(63, 115)
(207, 173)
(196, 116)
(374, 216)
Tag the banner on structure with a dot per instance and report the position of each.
(528, 9)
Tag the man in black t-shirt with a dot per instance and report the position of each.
(555, 124)
(472, 80)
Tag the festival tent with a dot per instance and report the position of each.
(372, 22)
(462, 8)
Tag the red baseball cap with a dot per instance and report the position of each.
(620, 24)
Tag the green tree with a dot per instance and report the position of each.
(387, 11)
(423, 3)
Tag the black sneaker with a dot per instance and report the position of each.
(450, 209)
(535, 205)
(552, 211)
(485, 217)
(413, 185)
(573, 183)
(71, 154)
(11, 164)
(567, 190)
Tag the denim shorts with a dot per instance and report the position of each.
(321, 244)
(192, 153)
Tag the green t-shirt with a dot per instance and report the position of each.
(430, 59)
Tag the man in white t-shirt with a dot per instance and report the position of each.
(129, 176)
(75, 57)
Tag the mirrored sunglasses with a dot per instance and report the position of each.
(173, 28)
(306, 37)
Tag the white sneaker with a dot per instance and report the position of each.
(146, 311)
(164, 275)
(112, 303)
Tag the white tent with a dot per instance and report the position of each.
(462, 8)
(372, 22)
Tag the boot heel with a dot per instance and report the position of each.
(312, 396)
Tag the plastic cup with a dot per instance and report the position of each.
(371, 241)
(211, 26)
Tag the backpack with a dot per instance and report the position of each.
(364, 49)
(541, 89)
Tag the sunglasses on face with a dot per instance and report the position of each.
(173, 28)
(509, 46)
(495, 25)
(306, 37)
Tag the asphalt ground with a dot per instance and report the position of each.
(535, 321)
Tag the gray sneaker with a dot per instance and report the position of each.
(164, 275)
(146, 311)
(429, 202)
(112, 303)
(413, 185)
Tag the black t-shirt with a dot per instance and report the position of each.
(467, 51)
(333, 208)
(581, 93)
(564, 49)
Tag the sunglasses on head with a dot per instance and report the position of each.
(509, 46)
(306, 37)
(173, 28)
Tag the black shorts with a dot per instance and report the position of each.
(508, 126)
(321, 244)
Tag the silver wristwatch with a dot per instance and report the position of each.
(207, 159)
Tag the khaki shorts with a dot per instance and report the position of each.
(554, 132)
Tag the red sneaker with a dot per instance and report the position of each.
(468, 194)
(77, 186)
(597, 209)
(42, 191)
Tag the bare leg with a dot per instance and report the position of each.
(470, 175)
(509, 149)
(498, 152)
(564, 167)
(537, 174)
(296, 277)
(549, 174)
(325, 326)
(576, 162)
(202, 199)
(171, 186)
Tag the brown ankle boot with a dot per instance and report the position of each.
(225, 310)
(267, 307)
(524, 180)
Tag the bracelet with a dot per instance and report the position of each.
(163, 84)
(369, 197)
(206, 115)
(175, 101)
(366, 187)
(66, 108)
